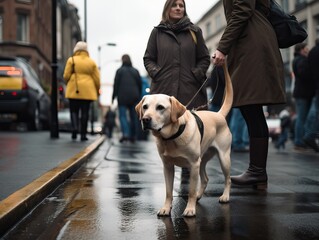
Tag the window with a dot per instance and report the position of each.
(1, 28)
(208, 29)
(300, 4)
(24, 1)
(317, 26)
(218, 22)
(23, 27)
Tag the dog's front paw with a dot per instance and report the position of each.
(164, 212)
(189, 212)
(199, 196)
(224, 198)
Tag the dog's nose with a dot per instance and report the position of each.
(146, 123)
(146, 120)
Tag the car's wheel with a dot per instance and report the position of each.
(34, 123)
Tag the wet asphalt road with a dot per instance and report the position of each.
(117, 193)
(25, 156)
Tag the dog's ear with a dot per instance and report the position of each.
(138, 108)
(177, 109)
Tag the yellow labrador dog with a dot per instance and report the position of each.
(188, 139)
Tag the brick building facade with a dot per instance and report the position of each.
(26, 32)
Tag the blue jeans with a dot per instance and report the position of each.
(239, 130)
(283, 137)
(128, 126)
(312, 131)
(302, 109)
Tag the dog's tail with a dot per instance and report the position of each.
(228, 93)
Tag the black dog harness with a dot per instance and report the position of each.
(200, 125)
(181, 128)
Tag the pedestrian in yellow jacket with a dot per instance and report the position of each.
(82, 87)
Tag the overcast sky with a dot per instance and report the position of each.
(128, 23)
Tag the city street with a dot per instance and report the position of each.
(117, 193)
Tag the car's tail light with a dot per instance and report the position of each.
(24, 84)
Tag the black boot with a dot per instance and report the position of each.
(256, 174)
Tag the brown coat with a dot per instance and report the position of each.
(254, 58)
(177, 64)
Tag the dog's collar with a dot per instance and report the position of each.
(177, 134)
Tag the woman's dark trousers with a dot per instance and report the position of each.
(79, 110)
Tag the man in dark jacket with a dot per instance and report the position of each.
(128, 91)
(303, 92)
(313, 60)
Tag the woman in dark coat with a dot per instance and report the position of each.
(176, 57)
(256, 68)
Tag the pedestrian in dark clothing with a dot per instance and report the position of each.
(127, 89)
(256, 69)
(176, 57)
(285, 122)
(312, 136)
(109, 122)
(303, 93)
(141, 134)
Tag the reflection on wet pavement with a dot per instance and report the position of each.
(118, 193)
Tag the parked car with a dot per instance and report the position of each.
(22, 98)
(65, 125)
(64, 120)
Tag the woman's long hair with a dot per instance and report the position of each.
(167, 7)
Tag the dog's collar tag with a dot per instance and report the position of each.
(177, 134)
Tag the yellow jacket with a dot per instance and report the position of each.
(86, 78)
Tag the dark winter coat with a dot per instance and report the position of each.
(254, 59)
(304, 85)
(313, 59)
(127, 86)
(177, 64)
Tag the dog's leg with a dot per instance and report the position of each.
(169, 182)
(209, 154)
(190, 210)
(224, 158)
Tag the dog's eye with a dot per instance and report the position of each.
(145, 107)
(160, 107)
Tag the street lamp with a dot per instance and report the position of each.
(99, 48)
(54, 129)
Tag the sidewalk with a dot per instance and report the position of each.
(117, 193)
(33, 165)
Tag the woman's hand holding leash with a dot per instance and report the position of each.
(218, 58)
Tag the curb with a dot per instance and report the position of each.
(20, 203)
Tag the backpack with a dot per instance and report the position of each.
(287, 28)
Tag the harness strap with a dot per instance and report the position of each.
(200, 125)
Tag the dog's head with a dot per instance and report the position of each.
(158, 110)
